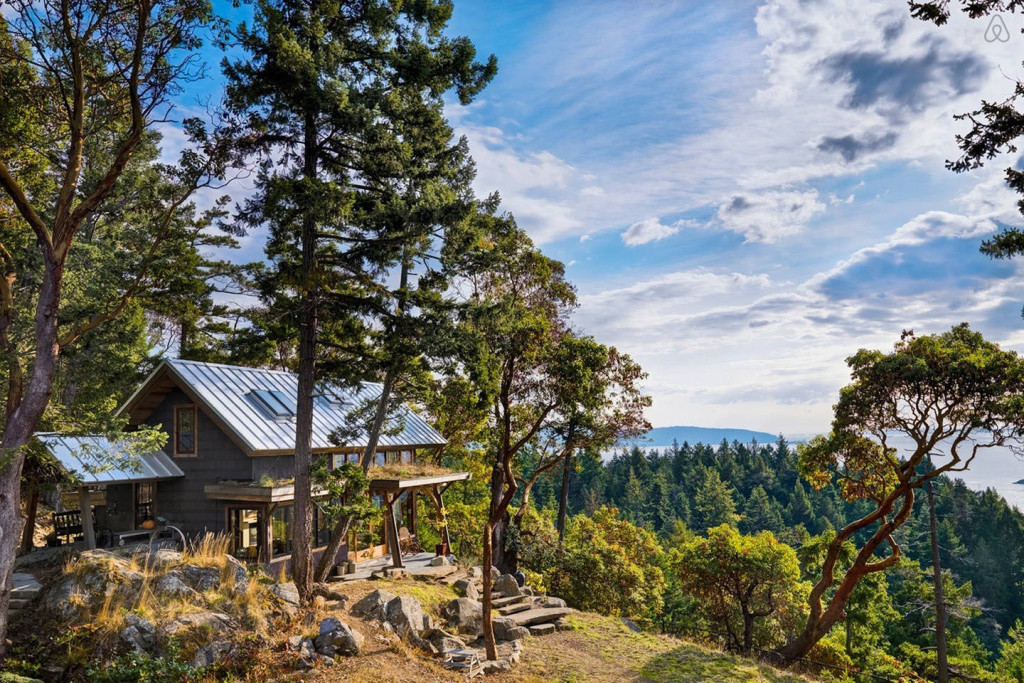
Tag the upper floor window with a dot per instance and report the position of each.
(184, 430)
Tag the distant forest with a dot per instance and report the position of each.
(758, 487)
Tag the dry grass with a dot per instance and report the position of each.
(598, 649)
(209, 551)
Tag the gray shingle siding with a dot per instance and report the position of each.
(182, 501)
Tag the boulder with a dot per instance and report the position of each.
(442, 640)
(552, 602)
(520, 578)
(507, 585)
(506, 629)
(215, 622)
(542, 629)
(466, 588)
(497, 666)
(164, 558)
(525, 590)
(307, 650)
(139, 634)
(96, 578)
(236, 574)
(464, 615)
(476, 572)
(210, 654)
(406, 615)
(374, 605)
(201, 579)
(294, 642)
(288, 597)
(173, 585)
(440, 561)
(337, 637)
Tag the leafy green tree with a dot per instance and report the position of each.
(82, 83)
(610, 566)
(952, 394)
(761, 513)
(748, 586)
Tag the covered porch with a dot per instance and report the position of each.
(258, 518)
(116, 493)
(395, 484)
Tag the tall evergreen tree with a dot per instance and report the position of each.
(338, 101)
(713, 504)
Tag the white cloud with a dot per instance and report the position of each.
(769, 216)
(648, 230)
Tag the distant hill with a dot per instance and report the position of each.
(663, 436)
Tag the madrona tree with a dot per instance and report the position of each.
(952, 395)
(535, 374)
(81, 84)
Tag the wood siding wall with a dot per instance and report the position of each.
(182, 501)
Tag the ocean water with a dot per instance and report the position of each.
(994, 468)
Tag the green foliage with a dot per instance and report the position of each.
(145, 668)
(1011, 654)
(607, 565)
(713, 504)
(747, 586)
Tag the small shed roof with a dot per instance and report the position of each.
(257, 407)
(95, 459)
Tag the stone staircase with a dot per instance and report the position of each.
(24, 589)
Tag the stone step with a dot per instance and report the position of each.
(542, 629)
(25, 593)
(542, 615)
(514, 609)
(18, 603)
(510, 600)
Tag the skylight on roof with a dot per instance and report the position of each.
(277, 403)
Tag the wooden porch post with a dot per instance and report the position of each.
(391, 531)
(266, 534)
(85, 512)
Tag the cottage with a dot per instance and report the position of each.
(229, 459)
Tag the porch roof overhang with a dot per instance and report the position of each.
(251, 492)
(95, 459)
(404, 484)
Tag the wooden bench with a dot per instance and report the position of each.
(67, 526)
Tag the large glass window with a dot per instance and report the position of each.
(244, 526)
(184, 430)
(281, 523)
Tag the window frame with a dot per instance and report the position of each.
(178, 453)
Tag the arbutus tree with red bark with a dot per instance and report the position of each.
(534, 373)
(952, 395)
(81, 86)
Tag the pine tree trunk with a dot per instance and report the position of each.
(940, 601)
(488, 582)
(563, 499)
(302, 519)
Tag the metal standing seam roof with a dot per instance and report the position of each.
(96, 459)
(228, 391)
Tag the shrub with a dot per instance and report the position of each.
(610, 566)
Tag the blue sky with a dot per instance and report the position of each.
(746, 192)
